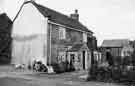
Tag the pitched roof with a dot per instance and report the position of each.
(59, 18)
(115, 43)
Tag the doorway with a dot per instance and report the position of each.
(83, 59)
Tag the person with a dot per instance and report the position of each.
(72, 65)
(67, 66)
(109, 58)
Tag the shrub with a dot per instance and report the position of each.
(63, 67)
(39, 67)
(4, 59)
(56, 67)
(92, 74)
(71, 67)
(116, 73)
(43, 68)
(59, 67)
(67, 66)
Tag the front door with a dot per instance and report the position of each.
(83, 59)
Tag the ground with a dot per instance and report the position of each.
(9, 77)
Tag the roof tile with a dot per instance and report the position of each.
(115, 43)
(60, 18)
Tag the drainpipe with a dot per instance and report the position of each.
(50, 58)
(92, 58)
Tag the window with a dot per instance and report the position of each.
(61, 57)
(62, 33)
(84, 37)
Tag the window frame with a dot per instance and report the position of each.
(62, 33)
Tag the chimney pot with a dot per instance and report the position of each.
(75, 15)
(76, 11)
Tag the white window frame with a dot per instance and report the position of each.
(84, 37)
(62, 32)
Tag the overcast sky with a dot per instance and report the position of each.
(108, 19)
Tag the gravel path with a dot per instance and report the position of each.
(9, 77)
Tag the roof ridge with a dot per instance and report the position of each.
(58, 12)
(56, 17)
(53, 10)
(116, 40)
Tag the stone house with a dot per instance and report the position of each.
(41, 33)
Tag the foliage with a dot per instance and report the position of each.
(62, 67)
(58, 67)
(5, 39)
(115, 73)
(39, 67)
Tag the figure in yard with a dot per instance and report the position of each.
(109, 58)
(67, 66)
(72, 65)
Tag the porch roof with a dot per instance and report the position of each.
(77, 47)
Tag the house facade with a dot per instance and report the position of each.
(41, 33)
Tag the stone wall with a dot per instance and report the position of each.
(72, 36)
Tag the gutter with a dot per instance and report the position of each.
(70, 27)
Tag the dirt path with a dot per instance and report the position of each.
(8, 77)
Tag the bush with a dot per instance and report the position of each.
(63, 67)
(67, 66)
(92, 74)
(56, 67)
(39, 67)
(59, 67)
(71, 67)
(116, 73)
(43, 68)
(4, 60)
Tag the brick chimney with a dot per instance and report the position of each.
(75, 16)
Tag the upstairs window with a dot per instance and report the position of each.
(62, 33)
(84, 37)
